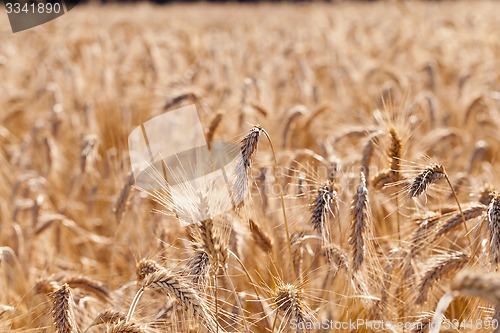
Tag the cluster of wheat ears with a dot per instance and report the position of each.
(369, 184)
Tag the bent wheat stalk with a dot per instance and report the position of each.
(182, 290)
(474, 284)
(282, 201)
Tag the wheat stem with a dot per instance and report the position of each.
(459, 207)
(282, 201)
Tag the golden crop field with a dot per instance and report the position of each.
(367, 139)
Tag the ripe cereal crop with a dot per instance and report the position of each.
(365, 187)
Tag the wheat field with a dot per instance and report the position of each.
(368, 137)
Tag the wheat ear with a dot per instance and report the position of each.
(62, 310)
(182, 290)
(440, 268)
(106, 317)
(421, 236)
(125, 327)
(214, 124)
(198, 266)
(261, 238)
(487, 194)
(146, 267)
(213, 244)
(381, 179)
(292, 114)
(395, 151)
(474, 284)
(288, 299)
(469, 214)
(494, 226)
(248, 147)
(427, 177)
(95, 287)
(486, 286)
(395, 154)
(321, 207)
(359, 220)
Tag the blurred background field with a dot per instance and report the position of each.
(72, 90)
